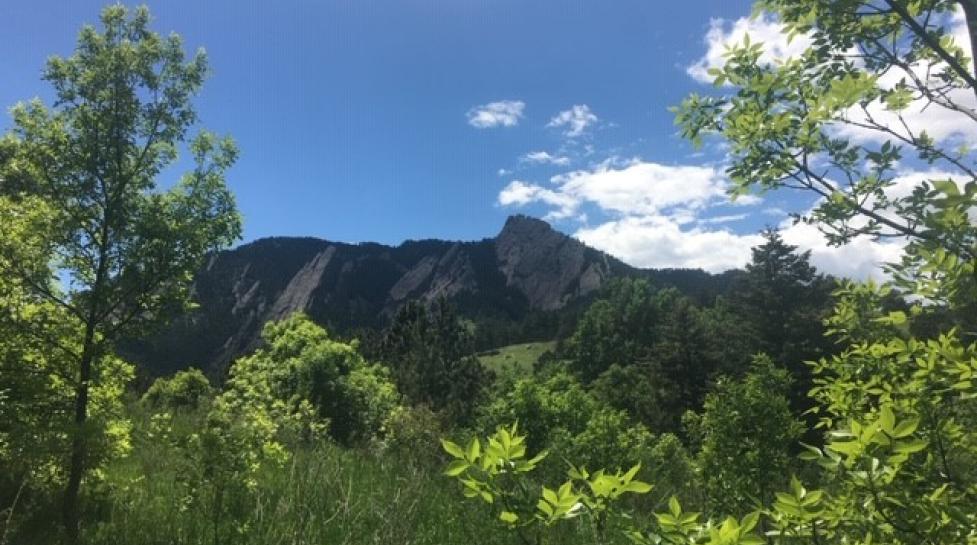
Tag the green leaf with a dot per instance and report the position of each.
(452, 449)
(456, 467)
(673, 506)
(474, 449)
(508, 517)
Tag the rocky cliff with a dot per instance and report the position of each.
(528, 267)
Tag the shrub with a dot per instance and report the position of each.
(184, 390)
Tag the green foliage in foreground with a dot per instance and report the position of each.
(324, 493)
(80, 201)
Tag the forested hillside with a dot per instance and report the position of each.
(158, 387)
(528, 283)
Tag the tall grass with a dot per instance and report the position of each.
(325, 494)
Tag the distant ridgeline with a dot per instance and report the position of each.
(527, 283)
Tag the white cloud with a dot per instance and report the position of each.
(503, 172)
(659, 216)
(658, 208)
(643, 187)
(729, 218)
(860, 258)
(762, 29)
(574, 121)
(544, 157)
(660, 242)
(504, 113)
(519, 193)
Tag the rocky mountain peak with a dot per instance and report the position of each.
(528, 267)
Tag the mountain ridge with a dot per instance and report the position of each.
(527, 268)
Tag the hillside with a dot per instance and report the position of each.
(529, 271)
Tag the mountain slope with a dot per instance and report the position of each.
(528, 267)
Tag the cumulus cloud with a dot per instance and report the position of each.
(861, 258)
(762, 29)
(637, 188)
(519, 193)
(664, 216)
(660, 242)
(544, 157)
(658, 209)
(504, 113)
(575, 121)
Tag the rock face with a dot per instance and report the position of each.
(527, 267)
(548, 267)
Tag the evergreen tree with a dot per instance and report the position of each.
(782, 302)
(431, 354)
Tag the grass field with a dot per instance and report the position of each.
(515, 357)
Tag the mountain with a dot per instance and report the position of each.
(528, 269)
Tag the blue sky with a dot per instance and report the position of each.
(385, 121)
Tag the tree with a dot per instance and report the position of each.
(431, 354)
(84, 173)
(618, 328)
(747, 435)
(871, 64)
(782, 301)
(897, 466)
(302, 376)
(683, 350)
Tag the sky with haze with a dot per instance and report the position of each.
(385, 121)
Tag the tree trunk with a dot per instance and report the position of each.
(79, 447)
(970, 14)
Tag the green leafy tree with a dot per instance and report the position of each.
(303, 377)
(870, 64)
(183, 390)
(782, 302)
(618, 328)
(558, 414)
(898, 410)
(682, 350)
(84, 173)
(643, 392)
(784, 299)
(747, 436)
(430, 352)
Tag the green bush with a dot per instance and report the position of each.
(184, 390)
(557, 413)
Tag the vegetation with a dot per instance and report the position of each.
(794, 409)
(517, 358)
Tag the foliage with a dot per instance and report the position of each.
(430, 352)
(782, 301)
(305, 381)
(896, 409)
(558, 414)
(747, 435)
(617, 328)
(183, 390)
(413, 433)
(642, 391)
(82, 174)
(498, 476)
